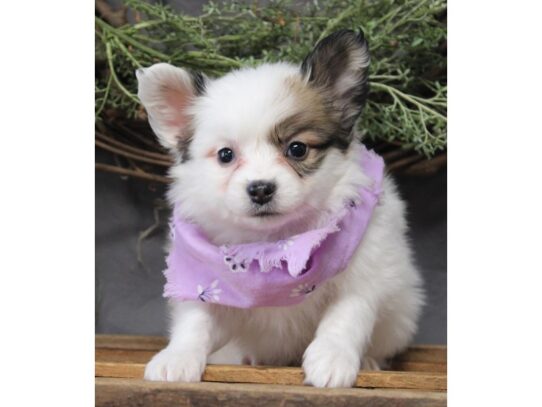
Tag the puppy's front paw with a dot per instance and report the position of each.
(326, 364)
(176, 366)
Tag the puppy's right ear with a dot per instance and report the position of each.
(167, 92)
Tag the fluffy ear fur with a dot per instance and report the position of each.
(167, 92)
(338, 66)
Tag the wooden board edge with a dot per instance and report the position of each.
(144, 356)
(285, 376)
(415, 353)
(133, 342)
(129, 392)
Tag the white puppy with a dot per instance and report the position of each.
(229, 132)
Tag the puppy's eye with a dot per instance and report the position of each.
(225, 155)
(297, 150)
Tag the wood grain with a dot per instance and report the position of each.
(284, 375)
(144, 356)
(154, 343)
(417, 353)
(123, 357)
(132, 392)
(424, 353)
(404, 366)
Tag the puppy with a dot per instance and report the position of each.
(263, 154)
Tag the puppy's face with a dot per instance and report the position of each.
(259, 146)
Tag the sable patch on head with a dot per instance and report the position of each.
(338, 69)
(183, 144)
(200, 83)
(316, 131)
(315, 123)
(330, 94)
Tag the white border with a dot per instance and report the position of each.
(494, 197)
(47, 203)
(495, 163)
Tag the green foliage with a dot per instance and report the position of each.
(407, 104)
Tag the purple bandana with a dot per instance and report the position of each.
(267, 274)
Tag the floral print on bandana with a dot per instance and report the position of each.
(172, 231)
(209, 294)
(302, 289)
(234, 266)
(285, 244)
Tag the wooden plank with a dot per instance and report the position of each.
(417, 353)
(403, 380)
(143, 356)
(123, 355)
(424, 353)
(128, 393)
(154, 343)
(402, 366)
(285, 376)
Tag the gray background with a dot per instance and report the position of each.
(128, 292)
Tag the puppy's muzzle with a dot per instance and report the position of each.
(261, 192)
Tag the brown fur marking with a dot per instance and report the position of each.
(314, 124)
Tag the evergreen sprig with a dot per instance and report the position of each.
(407, 103)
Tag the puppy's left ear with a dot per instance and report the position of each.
(338, 66)
(167, 92)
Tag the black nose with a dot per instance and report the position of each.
(261, 192)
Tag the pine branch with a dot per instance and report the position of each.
(407, 103)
